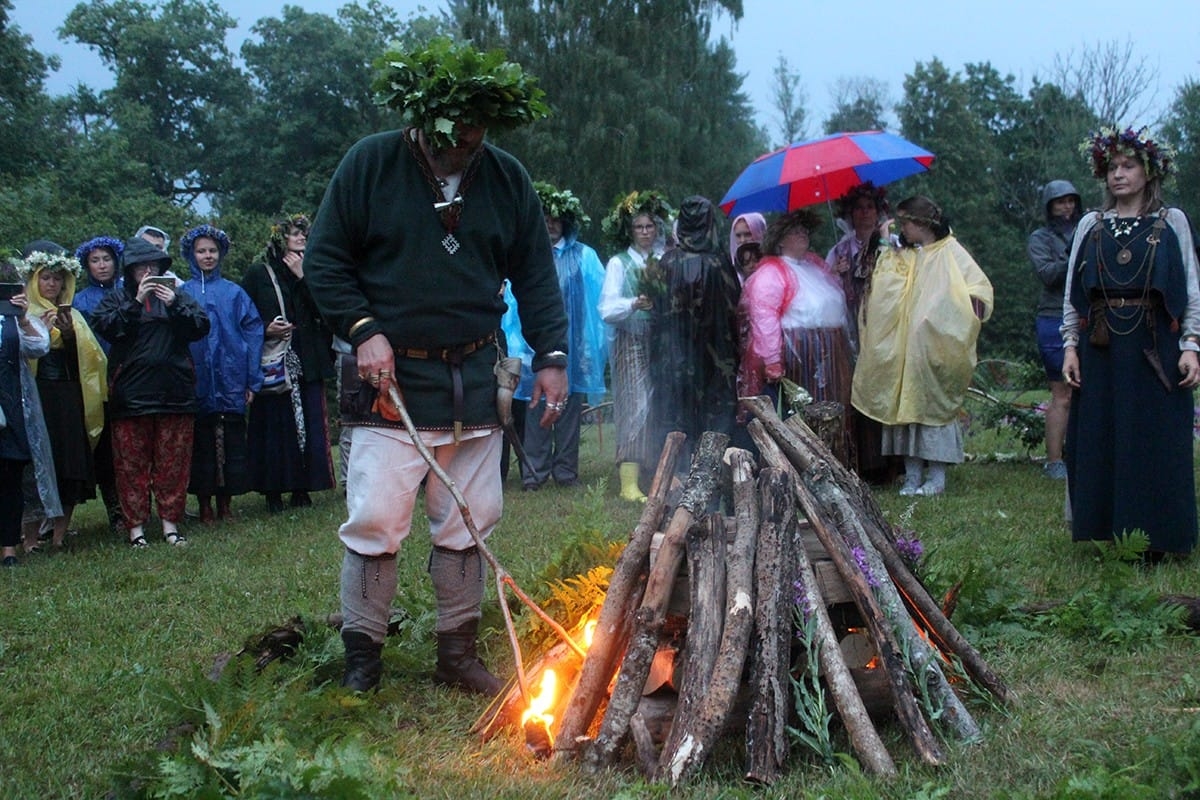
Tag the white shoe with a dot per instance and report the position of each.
(929, 489)
(909, 489)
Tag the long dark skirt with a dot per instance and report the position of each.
(74, 469)
(277, 463)
(219, 460)
(1129, 444)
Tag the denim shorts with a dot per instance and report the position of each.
(1050, 346)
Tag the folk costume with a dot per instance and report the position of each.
(71, 383)
(419, 258)
(288, 431)
(151, 391)
(227, 366)
(694, 369)
(1132, 297)
(554, 452)
(918, 330)
(625, 278)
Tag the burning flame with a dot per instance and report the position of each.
(589, 629)
(543, 702)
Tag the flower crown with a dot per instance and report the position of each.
(877, 195)
(561, 203)
(448, 83)
(651, 201)
(48, 262)
(85, 249)
(1102, 145)
(279, 231)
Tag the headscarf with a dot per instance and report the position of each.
(757, 224)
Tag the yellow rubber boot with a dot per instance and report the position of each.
(628, 471)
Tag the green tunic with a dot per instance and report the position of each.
(376, 251)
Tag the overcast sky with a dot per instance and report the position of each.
(826, 40)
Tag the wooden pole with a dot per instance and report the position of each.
(615, 619)
(864, 738)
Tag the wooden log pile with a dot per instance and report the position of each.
(746, 573)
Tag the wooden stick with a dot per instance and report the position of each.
(702, 485)
(688, 757)
(907, 711)
(770, 681)
(864, 738)
(623, 595)
(706, 617)
(502, 576)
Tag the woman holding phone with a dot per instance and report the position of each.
(70, 380)
(152, 388)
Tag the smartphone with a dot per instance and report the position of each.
(161, 280)
(64, 310)
(7, 292)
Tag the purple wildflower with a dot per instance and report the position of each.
(910, 549)
(860, 558)
(803, 601)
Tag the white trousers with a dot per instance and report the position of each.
(384, 476)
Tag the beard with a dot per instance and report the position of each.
(452, 160)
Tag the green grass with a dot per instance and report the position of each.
(104, 650)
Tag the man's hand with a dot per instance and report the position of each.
(1189, 366)
(1071, 367)
(550, 383)
(375, 359)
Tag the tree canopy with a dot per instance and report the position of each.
(644, 95)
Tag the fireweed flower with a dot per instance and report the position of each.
(803, 601)
(910, 548)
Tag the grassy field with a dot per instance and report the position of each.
(104, 652)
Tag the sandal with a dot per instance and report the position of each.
(138, 542)
(174, 538)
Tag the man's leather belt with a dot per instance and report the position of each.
(452, 354)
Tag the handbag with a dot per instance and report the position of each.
(276, 379)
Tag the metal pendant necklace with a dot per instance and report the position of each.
(448, 211)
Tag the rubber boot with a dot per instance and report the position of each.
(223, 509)
(206, 510)
(364, 663)
(630, 491)
(458, 664)
(912, 476)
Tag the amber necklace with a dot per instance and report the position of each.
(448, 211)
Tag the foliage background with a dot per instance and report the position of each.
(646, 95)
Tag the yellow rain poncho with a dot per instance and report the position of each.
(93, 364)
(918, 333)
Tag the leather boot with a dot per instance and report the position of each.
(630, 491)
(206, 511)
(223, 509)
(364, 663)
(459, 666)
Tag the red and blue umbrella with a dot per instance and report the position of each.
(820, 170)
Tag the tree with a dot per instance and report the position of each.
(859, 104)
(642, 95)
(25, 109)
(789, 98)
(1182, 130)
(304, 111)
(175, 84)
(1116, 84)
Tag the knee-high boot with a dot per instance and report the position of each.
(458, 577)
(368, 588)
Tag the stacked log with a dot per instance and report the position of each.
(745, 573)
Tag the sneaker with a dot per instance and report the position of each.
(1056, 470)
